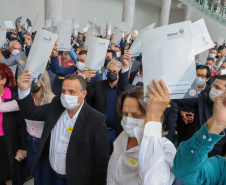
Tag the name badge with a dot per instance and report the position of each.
(132, 162)
(61, 77)
(70, 129)
(22, 62)
(70, 64)
(168, 106)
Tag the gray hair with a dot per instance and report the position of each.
(13, 42)
(116, 63)
(79, 78)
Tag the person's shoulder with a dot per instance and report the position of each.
(92, 113)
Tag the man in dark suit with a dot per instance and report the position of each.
(203, 110)
(74, 138)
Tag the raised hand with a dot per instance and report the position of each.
(158, 99)
(126, 59)
(24, 80)
(90, 73)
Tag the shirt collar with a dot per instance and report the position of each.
(76, 115)
(115, 87)
(201, 89)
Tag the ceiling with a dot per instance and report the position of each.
(158, 3)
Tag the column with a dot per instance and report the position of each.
(187, 13)
(54, 10)
(165, 12)
(128, 11)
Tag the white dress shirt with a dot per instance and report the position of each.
(60, 137)
(137, 78)
(149, 163)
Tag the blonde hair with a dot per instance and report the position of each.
(47, 94)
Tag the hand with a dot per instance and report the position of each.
(190, 118)
(126, 59)
(133, 35)
(24, 80)
(55, 51)
(28, 40)
(90, 73)
(113, 45)
(157, 102)
(217, 123)
(23, 153)
(19, 27)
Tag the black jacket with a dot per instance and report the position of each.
(88, 148)
(15, 133)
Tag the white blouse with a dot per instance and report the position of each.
(149, 163)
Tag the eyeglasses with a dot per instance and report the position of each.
(202, 76)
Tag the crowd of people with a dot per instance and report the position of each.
(79, 126)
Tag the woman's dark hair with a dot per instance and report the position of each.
(6, 72)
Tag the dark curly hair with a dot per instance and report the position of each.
(6, 72)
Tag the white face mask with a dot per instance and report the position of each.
(201, 81)
(214, 93)
(211, 55)
(69, 102)
(67, 57)
(118, 54)
(223, 72)
(15, 51)
(81, 66)
(128, 124)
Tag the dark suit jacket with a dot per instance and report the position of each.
(135, 66)
(211, 80)
(132, 76)
(88, 149)
(203, 111)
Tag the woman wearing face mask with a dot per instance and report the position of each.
(42, 94)
(141, 155)
(13, 134)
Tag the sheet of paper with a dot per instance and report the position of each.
(201, 37)
(54, 29)
(90, 23)
(135, 49)
(64, 35)
(75, 32)
(96, 53)
(125, 26)
(35, 23)
(23, 20)
(9, 24)
(3, 30)
(97, 30)
(84, 30)
(48, 23)
(39, 53)
(29, 29)
(118, 34)
(89, 35)
(220, 41)
(109, 29)
(163, 52)
(76, 26)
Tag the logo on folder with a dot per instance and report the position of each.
(181, 31)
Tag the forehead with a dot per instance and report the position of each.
(82, 56)
(201, 71)
(109, 54)
(71, 84)
(213, 51)
(223, 65)
(220, 83)
(209, 61)
(113, 67)
(131, 105)
(16, 45)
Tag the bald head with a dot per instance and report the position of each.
(14, 45)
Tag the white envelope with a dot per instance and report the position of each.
(39, 53)
(64, 35)
(96, 53)
(84, 30)
(201, 38)
(166, 50)
(109, 29)
(9, 24)
(76, 26)
(48, 23)
(125, 26)
(3, 30)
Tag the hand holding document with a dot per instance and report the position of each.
(39, 54)
(96, 53)
(135, 49)
(118, 34)
(9, 24)
(201, 37)
(64, 35)
(165, 50)
(3, 30)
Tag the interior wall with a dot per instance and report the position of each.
(82, 11)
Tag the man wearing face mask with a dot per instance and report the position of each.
(102, 96)
(110, 56)
(74, 139)
(210, 63)
(203, 75)
(18, 57)
(221, 71)
(203, 106)
(88, 74)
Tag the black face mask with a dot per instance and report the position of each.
(111, 76)
(107, 60)
(217, 57)
(35, 89)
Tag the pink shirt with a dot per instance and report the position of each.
(6, 95)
